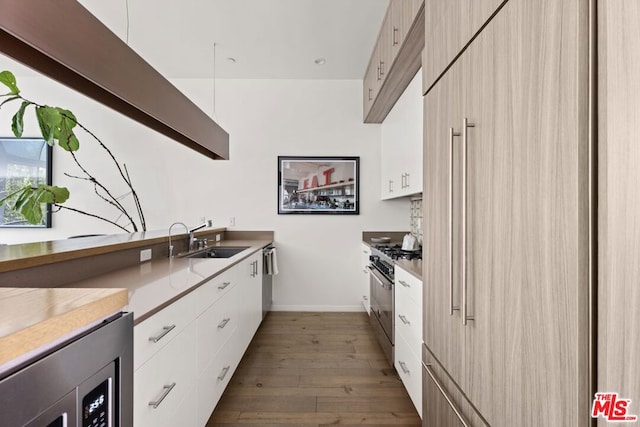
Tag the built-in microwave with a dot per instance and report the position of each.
(86, 382)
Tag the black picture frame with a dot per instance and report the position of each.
(318, 185)
(23, 159)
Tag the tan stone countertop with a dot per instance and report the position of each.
(31, 319)
(155, 284)
(26, 255)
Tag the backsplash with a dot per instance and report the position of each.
(415, 217)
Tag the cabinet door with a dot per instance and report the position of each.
(442, 330)
(522, 223)
(370, 84)
(619, 200)
(365, 252)
(449, 26)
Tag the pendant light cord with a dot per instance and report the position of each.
(214, 80)
(126, 3)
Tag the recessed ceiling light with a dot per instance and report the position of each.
(320, 61)
(232, 60)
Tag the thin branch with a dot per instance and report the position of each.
(143, 222)
(60, 207)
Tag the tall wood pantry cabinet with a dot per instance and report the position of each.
(508, 217)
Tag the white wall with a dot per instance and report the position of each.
(318, 255)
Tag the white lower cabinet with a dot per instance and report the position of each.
(162, 383)
(364, 282)
(408, 333)
(185, 355)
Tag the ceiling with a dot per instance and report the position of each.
(269, 39)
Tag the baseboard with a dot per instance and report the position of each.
(325, 308)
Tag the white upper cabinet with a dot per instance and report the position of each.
(401, 153)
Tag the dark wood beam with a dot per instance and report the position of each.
(63, 40)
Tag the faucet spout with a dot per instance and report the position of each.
(192, 239)
(170, 245)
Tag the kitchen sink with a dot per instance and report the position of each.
(217, 252)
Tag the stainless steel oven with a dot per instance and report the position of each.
(381, 297)
(85, 382)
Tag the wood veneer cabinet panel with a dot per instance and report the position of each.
(442, 330)
(517, 201)
(449, 26)
(619, 200)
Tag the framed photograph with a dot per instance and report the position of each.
(23, 160)
(318, 185)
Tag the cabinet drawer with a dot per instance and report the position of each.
(215, 288)
(153, 334)
(408, 284)
(443, 404)
(408, 366)
(408, 322)
(165, 380)
(215, 378)
(216, 325)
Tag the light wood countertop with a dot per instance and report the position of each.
(32, 318)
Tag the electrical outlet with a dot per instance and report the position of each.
(145, 255)
(232, 221)
(217, 237)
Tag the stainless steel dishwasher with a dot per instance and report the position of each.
(85, 382)
(267, 279)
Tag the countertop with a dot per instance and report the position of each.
(155, 284)
(33, 319)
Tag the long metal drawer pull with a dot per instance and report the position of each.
(390, 186)
(395, 32)
(405, 284)
(403, 366)
(224, 322)
(224, 285)
(465, 316)
(452, 307)
(165, 391)
(444, 393)
(370, 97)
(224, 373)
(404, 319)
(165, 331)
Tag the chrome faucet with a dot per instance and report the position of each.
(170, 245)
(192, 239)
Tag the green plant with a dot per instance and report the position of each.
(57, 126)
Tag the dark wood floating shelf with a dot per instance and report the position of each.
(63, 40)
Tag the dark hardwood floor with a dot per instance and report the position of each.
(314, 369)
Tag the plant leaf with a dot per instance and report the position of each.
(17, 122)
(23, 196)
(65, 135)
(52, 194)
(48, 120)
(9, 80)
(32, 211)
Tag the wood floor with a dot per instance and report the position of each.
(314, 369)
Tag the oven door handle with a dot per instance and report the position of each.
(382, 281)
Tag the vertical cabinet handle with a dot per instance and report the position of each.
(381, 70)
(404, 319)
(165, 391)
(224, 373)
(390, 186)
(407, 180)
(452, 306)
(395, 33)
(165, 331)
(403, 366)
(370, 94)
(379, 75)
(465, 314)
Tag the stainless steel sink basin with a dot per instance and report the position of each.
(217, 252)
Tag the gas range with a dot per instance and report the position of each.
(382, 257)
